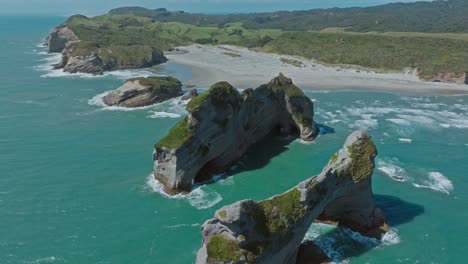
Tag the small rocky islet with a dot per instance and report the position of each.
(222, 124)
(138, 92)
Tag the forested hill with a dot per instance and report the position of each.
(434, 17)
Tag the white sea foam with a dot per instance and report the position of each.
(304, 142)
(391, 238)
(437, 182)
(98, 101)
(182, 225)
(164, 115)
(431, 116)
(201, 198)
(399, 121)
(365, 124)
(51, 59)
(43, 260)
(390, 169)
(405, 140)
(336, 244)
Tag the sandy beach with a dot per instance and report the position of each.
(245, 68)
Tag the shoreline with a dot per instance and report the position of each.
(250, 69)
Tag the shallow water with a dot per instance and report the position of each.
(74, 184)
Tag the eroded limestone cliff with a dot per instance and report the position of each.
(221, 126)
(271, 231)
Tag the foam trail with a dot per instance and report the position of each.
(164, 115)
(199, 198)
(437, 182)
(391, 238)
(405, 140)
(392, 170)
(98, 101)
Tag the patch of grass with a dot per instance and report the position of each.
(85, 48)
(296, 63)
(362, 156)
(222, 214)
(165, 84)
(285, 85)
(334, 158)
(220, 94)
(177, 136)
(130, 55)
(221, 249)
(383, 52)
(282, 211)
(232, 54)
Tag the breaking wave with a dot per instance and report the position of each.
(437, 182)
(393, 171)
(164, 115)
(173, 108)
(201, 197)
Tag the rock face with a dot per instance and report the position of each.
(139, 92)
(90, 57)
(458, 78)
(59, 38)
(222, 124)
(271, 231)
(192, 94)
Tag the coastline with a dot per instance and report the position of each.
(247, 69)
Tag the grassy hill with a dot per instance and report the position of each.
(436, 16)
(128, 37)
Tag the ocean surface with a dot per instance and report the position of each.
(75, 185)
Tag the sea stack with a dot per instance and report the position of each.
(138, 92)
(272, 231)
(221, 126)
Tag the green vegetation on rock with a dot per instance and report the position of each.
(282, 211)
(177, 136)
(158, 85)
(362, 156)
(282, 84)
(220, 94)
(221, 249)
(222, 214)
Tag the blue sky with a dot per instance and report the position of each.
(93, 7)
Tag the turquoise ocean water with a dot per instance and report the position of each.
(74, 182)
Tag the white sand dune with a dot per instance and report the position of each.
(210, 64)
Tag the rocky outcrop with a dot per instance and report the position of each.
(59, 38)
(139, 92)
(80, 56)
(271, 231)
(221, 126)
(448, 77)
(192, 94)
